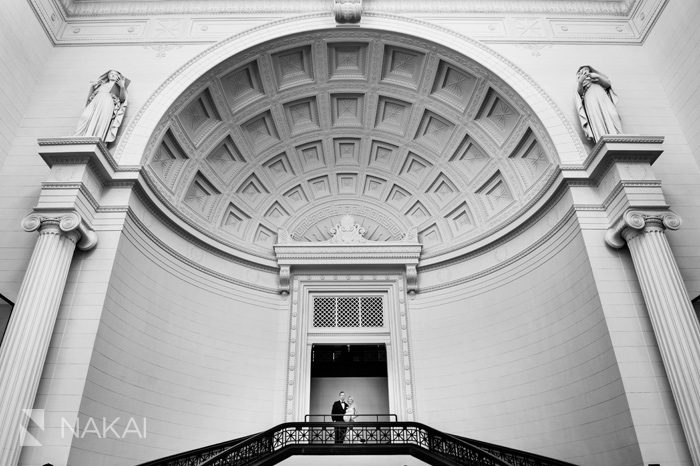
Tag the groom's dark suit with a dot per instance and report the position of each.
(337, 412)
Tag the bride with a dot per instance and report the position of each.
(350, 416)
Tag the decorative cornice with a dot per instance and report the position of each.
(196, 265)
(622, 186)
(489, 243)
(515, 258)
(611, 149)
(74, 8)
(347, 249)
(89, 197)
(151, 202)
(626, 138)
(633, 222)
(149, 193)
(88, 150)
(66, 222)
(180, 21)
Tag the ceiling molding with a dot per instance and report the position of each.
(76, 8)
(107, 22)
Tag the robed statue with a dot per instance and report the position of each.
(105, 108)
(595, 102)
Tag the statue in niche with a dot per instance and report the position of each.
(105, 108)
(595, 102)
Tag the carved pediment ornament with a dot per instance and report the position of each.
(347, 231)
(348, 246)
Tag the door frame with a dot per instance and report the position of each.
(394, 335)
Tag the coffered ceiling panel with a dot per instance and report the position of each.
(396, 131)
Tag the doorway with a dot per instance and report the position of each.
(323, 322)
(360, 370)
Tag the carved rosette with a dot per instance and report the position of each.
(347, 11)
(635, 222)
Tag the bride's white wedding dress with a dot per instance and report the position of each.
(350, 415)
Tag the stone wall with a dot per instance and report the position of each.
(202, 359)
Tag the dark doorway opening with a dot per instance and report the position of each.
(359, 370)
(348, 361)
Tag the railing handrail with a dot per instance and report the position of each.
(437, 443)
(328, 417)
(515, 452)
(196, 452)
(396, 437)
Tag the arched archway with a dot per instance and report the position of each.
(396, 130)
(132, 147)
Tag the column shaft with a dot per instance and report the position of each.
(674, 323)
(29, 331)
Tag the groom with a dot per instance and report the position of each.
(337, 415)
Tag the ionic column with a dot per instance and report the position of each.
(670, 310)
(31, 325)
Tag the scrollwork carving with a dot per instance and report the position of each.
(347, 231)
(67, 223)
(411, 279)
(32, 222)
(285, 275)
(634, 222)
(634, 219)
(671, 221)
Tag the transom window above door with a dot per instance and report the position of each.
(348, 311)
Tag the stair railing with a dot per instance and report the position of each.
(363, 437)
(323, 436)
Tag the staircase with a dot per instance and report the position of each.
(361, 438)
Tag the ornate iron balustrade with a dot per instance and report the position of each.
(513, 456)
(360, 417)
(353, 438)
(197, 456)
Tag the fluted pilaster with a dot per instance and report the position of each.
(30, 328)
(670, 310)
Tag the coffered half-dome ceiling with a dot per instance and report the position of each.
(397, 131)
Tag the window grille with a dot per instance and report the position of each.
(348, 311)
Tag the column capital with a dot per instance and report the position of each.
(633, 222)
(66, 222)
